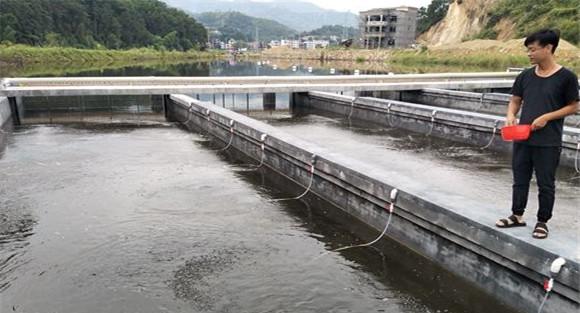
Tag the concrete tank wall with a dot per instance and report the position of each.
(459, 125)
(5, 112)
(502, 265)
(492, 103)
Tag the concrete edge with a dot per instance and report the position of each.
(242, 88)
(513, 254)
(452, 118)
(494, 103)
(5, 112)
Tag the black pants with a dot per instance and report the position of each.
(544, 161)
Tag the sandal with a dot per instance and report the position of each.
(540, 231)
(511, 221)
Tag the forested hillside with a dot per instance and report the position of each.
(296, 14)
(516, 18)
(238, 26)
(334, 30)
(447, 22)
(114, 24)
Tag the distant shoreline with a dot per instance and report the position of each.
(23, 55)
(417, 58)
(28, 60)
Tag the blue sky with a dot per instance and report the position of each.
(361, 5)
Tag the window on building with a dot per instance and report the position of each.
(393, 18)
(392, 29)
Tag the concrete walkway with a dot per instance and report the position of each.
(464, 179)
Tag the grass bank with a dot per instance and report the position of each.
(474, 59)
(487, 58)
(22, 55)
(99, 68)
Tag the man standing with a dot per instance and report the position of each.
(546, 93)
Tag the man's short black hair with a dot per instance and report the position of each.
(544, 37)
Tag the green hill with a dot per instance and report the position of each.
(531, 15)
(296, 14)
(333, 30)
(238, 26)
(114, 24)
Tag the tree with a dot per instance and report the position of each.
(53, 40)
(115, 24)
(429, 16)
(7, 31)
(171, 42)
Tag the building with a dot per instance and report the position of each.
(275, 43)
(294, 44)
(299, 44)
(388, 27)
(230, 45)
(314, 44)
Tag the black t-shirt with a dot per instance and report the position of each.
(543, 95)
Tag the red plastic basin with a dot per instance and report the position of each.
(516, 132)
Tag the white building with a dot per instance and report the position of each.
(294, 44)
(313, 44)
(388, 27)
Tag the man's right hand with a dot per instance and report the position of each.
(510, 120)
(512, 111)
